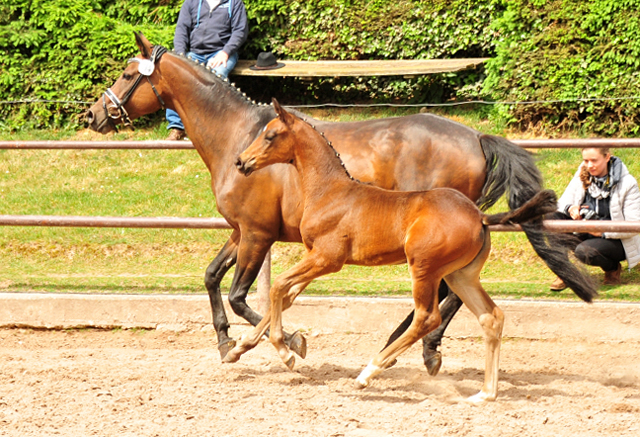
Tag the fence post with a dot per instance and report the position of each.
(264, 285)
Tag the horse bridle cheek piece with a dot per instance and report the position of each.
(146, 67)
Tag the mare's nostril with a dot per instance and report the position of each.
(238, 163)
(89, 116)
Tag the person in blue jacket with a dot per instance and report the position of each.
(209, 31)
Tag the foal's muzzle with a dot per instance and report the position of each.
(245, 167)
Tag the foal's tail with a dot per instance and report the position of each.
(512, 170)
(543, 202)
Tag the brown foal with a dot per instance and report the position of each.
(440, 233)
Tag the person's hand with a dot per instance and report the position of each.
(220, 59)
(574, 212)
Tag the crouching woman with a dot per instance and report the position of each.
(602, 189)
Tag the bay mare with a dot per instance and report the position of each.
(416, 152)
(440, 233)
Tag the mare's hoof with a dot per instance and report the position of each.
(298, 344)
(224, 349)
(433, 362)
(291, 362)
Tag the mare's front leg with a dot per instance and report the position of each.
(221, 264)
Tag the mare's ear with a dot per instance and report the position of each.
(143, 44)
(284, 115)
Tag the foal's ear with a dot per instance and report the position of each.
(282, 113)
(143, 44)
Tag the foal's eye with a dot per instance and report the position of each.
(270, 135)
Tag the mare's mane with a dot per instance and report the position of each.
(216, 83)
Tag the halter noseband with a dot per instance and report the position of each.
(145, 68)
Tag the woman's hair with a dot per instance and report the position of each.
(585, 176)
(603, 150)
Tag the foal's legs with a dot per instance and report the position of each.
(244, 276)
(466, 284)
(286, 287)
(252, 249)
(432, 357)
(426, 318)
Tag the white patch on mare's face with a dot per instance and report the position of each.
(145, 66)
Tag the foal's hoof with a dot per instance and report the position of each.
(433, 362)
(298, 344)
(291, 362)
(224, 348)
(360, 383)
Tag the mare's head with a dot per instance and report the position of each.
(275, 144)
(136, 92)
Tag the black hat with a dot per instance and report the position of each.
(266, 61)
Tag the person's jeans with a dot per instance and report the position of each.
(172, 116)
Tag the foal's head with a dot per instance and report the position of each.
(275, 144)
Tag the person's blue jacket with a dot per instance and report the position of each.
(204, 32)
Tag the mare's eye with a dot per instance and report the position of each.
(126, 76)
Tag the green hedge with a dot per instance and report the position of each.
(74, 49)
(68, 50)
(556, 50)
(567, 50)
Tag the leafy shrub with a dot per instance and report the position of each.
(567, 54)
(71, 50)
(68, 50)
(564, 50)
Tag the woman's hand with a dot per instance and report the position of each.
(574, 212)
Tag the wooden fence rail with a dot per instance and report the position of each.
(186, 145)
(264, 278)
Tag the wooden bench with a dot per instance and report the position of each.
(406, 68)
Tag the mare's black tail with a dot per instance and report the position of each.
(512, 169)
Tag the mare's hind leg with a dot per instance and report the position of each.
(450, 304)
(466, 284)
(426, 318)
(221, 264)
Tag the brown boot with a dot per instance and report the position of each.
(176, 135)
(613, 277)
(557, 285)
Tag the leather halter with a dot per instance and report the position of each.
(118, 104)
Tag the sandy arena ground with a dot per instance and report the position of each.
(161, 383)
